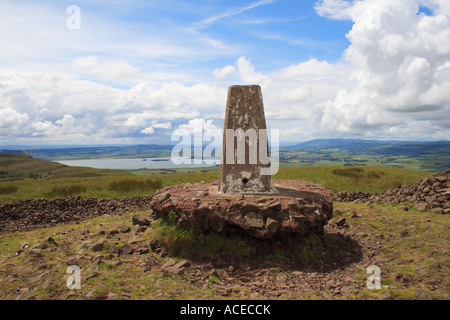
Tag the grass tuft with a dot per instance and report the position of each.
(130, 185)
(8, 189)
(65, 191)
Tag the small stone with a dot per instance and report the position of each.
(113, 232)
(422, 206)
(142, 250)
(137, 220)
(117, 263)
(182, 264)
(271, 225)
(23, 245)
(112, 295)
(403, 208)
(113, 249)
(274, 206)
(438, 210)
(91, 294)
(124, 229)
(222, 274)
(176, 199)
(51, 240)
(385, 296)
(163, 196)
(97, 246)
(293, 204)
(34, 250)
(126, 249)
(254, 220)
(340, 222)
(249, 206)
(173, 270)
(346, 289)
(135, 239)
(169, 263)
(126, 295)
(422, 295)
(153, 244)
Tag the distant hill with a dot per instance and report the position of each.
(344, 144)
(21, 166)
(67, 153)
(412, 148)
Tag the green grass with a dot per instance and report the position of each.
(183, 243)
(64, 191)
(7, 189)
(415, 246)
(101, 187)
(131, 184)
(367, 179)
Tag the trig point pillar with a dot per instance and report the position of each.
(245, 166)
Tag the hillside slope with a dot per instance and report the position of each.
(20, 166)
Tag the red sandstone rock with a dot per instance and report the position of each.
(297, 207)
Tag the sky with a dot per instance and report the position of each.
(131, 72)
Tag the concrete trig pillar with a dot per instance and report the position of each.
(245, 166)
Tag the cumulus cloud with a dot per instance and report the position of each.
(11, 121)
(148, 130)
(393, 81)
(155, 124)
(195, 124)
(399, 61)
(224, 72)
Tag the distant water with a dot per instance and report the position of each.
(130, 164)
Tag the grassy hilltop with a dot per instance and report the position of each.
(20, 166)
(410, 247)
(22, 177)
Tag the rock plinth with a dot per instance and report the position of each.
(297, 207)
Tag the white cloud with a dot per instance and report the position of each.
(224, 72)
(148, 130)
(117, 70)
(163, 125)
(399, 63)
(206, 125)
(333, 9)
(230, 12)
(394, 78)
(155, 124)
(11, 121)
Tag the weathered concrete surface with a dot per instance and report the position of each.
(245, 156)
(297, 207)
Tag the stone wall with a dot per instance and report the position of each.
(431, 193)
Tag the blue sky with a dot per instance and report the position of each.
(271, 33)
(134, 71)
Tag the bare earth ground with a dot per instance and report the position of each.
(119, 260)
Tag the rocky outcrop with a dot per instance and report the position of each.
(31, 214)
(431, 193)
(297, 207)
